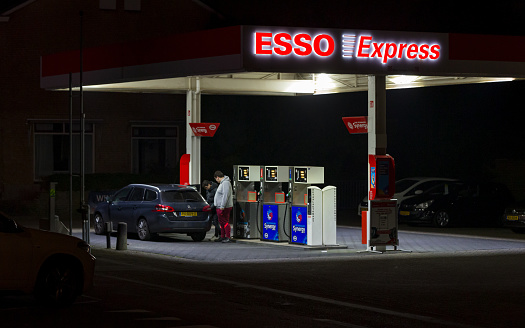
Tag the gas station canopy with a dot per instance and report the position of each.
(288, 61)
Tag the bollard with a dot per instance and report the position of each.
(85, 231)
(108, 234)
(122, 236)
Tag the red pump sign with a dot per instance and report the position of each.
(358, 124)
(204, 129)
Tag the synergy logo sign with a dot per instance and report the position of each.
(360, 46)
(299, 225)
(270, 221)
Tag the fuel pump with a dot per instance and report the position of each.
(304, 202)
(382, 209)
(246, 201)
(276, 211)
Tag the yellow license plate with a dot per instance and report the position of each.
(188, 213)
(405, 213)
(512, 217)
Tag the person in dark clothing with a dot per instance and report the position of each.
(211, 189)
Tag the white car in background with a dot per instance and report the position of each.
(407, 188)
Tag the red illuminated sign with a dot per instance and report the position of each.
(357, 124)
(366, 48)
(352, 45)
(204, 129)
(301, 44)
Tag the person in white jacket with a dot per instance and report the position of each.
(224, 204)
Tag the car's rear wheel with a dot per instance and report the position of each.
(198, 236)
(441, 219)
(143, 230)
(99, 224)
(59, 282)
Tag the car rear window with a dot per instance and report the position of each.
(181, 196)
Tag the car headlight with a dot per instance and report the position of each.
(84, 246)
(424, 205)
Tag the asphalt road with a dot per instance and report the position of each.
(135, 289)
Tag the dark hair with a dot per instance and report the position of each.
(218, 174)
(205, 183)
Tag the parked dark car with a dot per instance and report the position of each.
(56, 268)
(406, 188)
(457, 203)
(152, 209)
(514, 217)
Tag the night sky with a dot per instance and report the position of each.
(448, 131)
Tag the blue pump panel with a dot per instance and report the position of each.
(299, 226)
(270, 222)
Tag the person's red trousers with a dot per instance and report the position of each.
(224, 221)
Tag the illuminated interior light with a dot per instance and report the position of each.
(500, 80)
(403, 79)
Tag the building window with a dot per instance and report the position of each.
(155, 149)
(51, 148)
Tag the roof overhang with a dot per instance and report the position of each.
(287, 61)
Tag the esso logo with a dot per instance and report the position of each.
(301, 44)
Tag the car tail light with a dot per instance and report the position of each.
(206, 208)
(163, 208)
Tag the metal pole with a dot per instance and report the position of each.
(122, 236)
(108, 234)
(70, 153)
(85, 216)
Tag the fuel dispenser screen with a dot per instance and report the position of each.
(271, 174)
(301, 175)
(244, 173)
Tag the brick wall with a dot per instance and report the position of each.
(51, 26)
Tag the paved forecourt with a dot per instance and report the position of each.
(349, 240)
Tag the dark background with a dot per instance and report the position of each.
(448, 131)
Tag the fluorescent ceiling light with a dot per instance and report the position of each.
(403, 79)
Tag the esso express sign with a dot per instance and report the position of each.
(302, 44)
(360, 46)
(368, 48)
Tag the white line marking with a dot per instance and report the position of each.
(293, 294)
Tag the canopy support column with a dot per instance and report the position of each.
(193, 115)
(377, 115)
(376, 131)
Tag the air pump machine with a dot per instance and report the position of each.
(276, 211)
(306, 215)
(246, 201)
